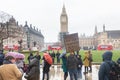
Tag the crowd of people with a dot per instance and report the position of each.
(72, 64)
(12, 68)
(32, 70)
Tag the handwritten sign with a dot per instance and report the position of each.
(71, 42)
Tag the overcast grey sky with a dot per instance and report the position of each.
(83, 15)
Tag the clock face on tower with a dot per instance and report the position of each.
(63, 19)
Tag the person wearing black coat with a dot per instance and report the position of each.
(46, 69)
(103, 73)
(53, 56)
(30, 57)
(79, 67)
(33, 73)
(57, 56)
(1, 57)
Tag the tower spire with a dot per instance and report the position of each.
(95, 30)
(103, 27)
(63, 9)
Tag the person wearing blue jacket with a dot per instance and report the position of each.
(64, 64)
(104, 69)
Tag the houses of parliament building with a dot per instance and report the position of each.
(106, 37)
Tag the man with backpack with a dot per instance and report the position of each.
(106, 68)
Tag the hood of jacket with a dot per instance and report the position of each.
(107, 56)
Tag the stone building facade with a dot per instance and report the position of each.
(106, 37)
(33, 37)
(28, 37)
(15, 33)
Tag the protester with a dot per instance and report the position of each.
(57, 56)
(64, 65)
(76, 53)
(86, 62)
(53, 56)
(38, 57)
(20, 64)
(72, 66)
(30, 57)
(33, 73)
(90, 60)
(9, 71)
(79, 67)
(1, 57)
(46, 68)
(104, 69)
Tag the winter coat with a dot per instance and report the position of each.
(64, 63)
(85, 60)
(104, 67)
(80, 63)
(9, 71)
(30, 57)
(90, 59)
(72, 62)
(46, 66)
(34, 72)
(57, 55)
(1, 58)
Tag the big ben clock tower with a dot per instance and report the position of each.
(63, 25)
(64, 20)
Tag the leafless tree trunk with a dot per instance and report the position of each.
(5, 30)
(3, 34)
(4, 17)
(1, 44)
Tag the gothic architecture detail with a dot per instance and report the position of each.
(106, 37)
(63, 25)
(64, 20)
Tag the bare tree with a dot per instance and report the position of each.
(4, 17)
(6, 30)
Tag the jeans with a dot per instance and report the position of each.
(44, 76)
(79, 73)
(73, 74)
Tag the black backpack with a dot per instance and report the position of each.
(112, 74)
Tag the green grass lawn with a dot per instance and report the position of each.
(97, 55)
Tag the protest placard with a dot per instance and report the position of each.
(71, 42)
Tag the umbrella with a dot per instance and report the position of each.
(11, 54)
(48, 58)
(19, 55)
(15, 55)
